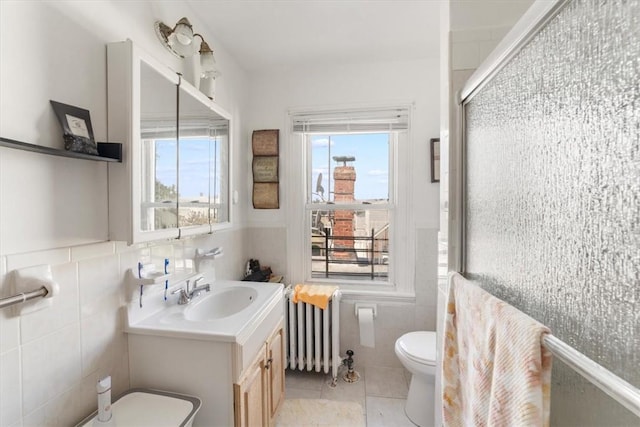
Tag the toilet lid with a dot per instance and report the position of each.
(419, 346)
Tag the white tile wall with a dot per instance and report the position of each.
(268, 245)
(426, 279)
(102, 285)
(391, 322)
(10, 389)
(9, 326)
(394, 320)
(63, 312)
(61, 410)
(50, 366)
(28, 259)
(101, 339)
(50, 360)
(92, 251)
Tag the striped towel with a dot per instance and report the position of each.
(495, 371)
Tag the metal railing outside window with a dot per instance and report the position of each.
(361, 256)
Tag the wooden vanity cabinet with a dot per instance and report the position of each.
(275, 365)
(260, 392)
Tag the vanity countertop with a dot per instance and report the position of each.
(230, 312)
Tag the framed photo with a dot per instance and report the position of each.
(265, 169)
(435, 159)
(265, 196)
(265, 142)
(76, 127)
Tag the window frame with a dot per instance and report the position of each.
(402, 289)
(389, 206)
(219, 143)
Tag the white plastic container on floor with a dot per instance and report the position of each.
(141, 407)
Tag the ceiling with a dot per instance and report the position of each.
(264, 34)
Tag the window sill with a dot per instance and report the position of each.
(358, 295)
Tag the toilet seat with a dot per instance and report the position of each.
(419, 346)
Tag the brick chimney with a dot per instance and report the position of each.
(344, 178)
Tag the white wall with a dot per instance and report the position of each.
(53, 210)
(466, 14)
(273, 95)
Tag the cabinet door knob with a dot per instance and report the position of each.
(269, 362)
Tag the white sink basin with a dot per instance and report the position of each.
(229, 312)
(220, 303)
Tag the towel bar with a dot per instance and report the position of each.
(620, 390)
(16, 299)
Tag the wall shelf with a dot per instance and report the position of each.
(109, 151)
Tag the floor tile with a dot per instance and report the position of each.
(381, 392)
(386, 382)
(387, 412)
(302, 393)
(320, 412)
(345, 391)
(304, 379)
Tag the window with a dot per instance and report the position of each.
(349, 204)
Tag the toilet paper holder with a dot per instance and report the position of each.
(374, 308)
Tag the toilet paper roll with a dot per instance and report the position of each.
(367, 334)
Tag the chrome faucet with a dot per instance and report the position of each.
(187, 295)
(197, 289)
(184, 297)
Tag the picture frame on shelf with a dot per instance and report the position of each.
(76, 126)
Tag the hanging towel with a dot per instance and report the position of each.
(318, 295)
(495, 371)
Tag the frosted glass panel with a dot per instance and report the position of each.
(553, 194)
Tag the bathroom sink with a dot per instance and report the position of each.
(231, 311)
(220, 303)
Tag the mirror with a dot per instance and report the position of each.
(203, 163)
(219, 184)
(158, 131)
(193, 165)
(174, 177)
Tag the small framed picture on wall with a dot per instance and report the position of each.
(435, 159)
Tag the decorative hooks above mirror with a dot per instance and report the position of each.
(179, 41)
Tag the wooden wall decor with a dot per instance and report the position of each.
(264, 145)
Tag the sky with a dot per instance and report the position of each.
(370, 150)
(372, 163)
(194, 166)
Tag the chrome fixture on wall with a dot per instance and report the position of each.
(179, 41)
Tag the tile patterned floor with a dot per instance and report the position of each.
(381, 392)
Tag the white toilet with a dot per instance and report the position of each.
(417, 352)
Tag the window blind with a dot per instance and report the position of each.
(365, 120)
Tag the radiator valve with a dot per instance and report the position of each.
(351, 376)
